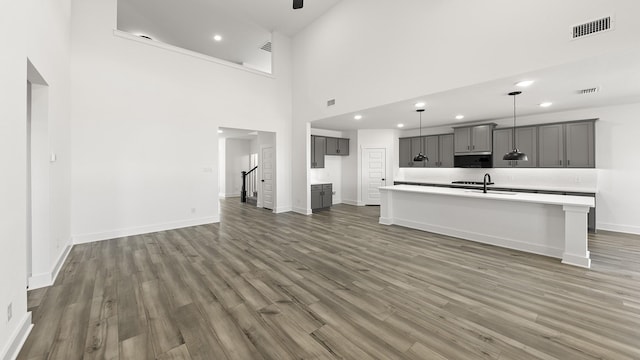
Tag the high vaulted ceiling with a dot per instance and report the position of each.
(245, 25)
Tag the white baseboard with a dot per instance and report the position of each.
(351, 202)
(41, 280)
(221, 196)
(627, 229)
(302, 211)
(113, 234)
(16, 341)
(577, 260)
(477, 237)
(282, 209)
(232, 195)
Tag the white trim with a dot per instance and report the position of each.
(41, 280)
(197, 55)
(576, 260)
(17, 339)
(138, 230)
(232, 195)
(302, 211)
(282, 209)
(481, 238)
(627, 229)
(352, 202)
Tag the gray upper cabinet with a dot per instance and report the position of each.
(337, 146)
(432, 150)
(406, 159)
(474, 139)
(438, 149)
(551, 146)
(502, 144)
(416, 147)
(446, 150)
(462, 140)
(318, 150)
(527, 142)
(580, 142)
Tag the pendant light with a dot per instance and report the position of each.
(515, 154)
(421, 156)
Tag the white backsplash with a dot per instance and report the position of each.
(578, 179)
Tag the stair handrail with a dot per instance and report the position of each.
(243, 193)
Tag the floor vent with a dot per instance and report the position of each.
(588, 91)
(592, 27)
(266, 47)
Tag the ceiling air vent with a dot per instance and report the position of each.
(592, 27)
(588, 91)
(266, 47)
(331, 102)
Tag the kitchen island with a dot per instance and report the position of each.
(551, 225)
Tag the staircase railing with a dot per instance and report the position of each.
(253, 184)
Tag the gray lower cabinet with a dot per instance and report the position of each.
(526, 141)
(318, 150)
(321, 196)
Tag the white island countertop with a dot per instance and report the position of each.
(578, 189)
(496, 195)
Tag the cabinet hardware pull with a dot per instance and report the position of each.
(568, 162)
(468, 148)
(560, 162)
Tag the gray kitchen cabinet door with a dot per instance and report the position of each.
(343, 147)
(527, 142)
(446, 151)
(416, 147)
(462, 140)
(319, 150)
(327, 195)
(316, 197)
(580, 144)
(502, 144)
(481, 137)
(551, 146)
(405, 153)
(332, 146)
(432, 150)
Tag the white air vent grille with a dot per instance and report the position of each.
(266, 47)
(592, 27)
(588, 91)
(331, 102)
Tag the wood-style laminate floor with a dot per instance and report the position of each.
(334, 285)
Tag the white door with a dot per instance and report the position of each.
(267, 178)
(373, 174)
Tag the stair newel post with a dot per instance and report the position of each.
(243, 194)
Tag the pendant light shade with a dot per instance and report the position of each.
(421, 156)
(515, 154)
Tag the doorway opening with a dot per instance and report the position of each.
(247, 166)
(38, 180)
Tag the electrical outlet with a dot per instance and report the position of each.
(9, 312)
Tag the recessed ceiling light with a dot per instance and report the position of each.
(459, 117)
(220, 131)
(546, 104)
(358, 117)
(524, 83)
(420, 104)
(400, 125)
(217, 37)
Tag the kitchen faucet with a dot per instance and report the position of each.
(484, 182)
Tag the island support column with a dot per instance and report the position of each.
(575, 236)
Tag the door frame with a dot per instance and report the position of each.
(363, 172)
(260, 173)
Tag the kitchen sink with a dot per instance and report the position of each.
(493, 192)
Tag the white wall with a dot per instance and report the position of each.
(615, 176)
(145, 121)
(237, 160)
(433, 46)
(222, 167)
(350, 183)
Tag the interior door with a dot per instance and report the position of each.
(373, 174)
(267, 178)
